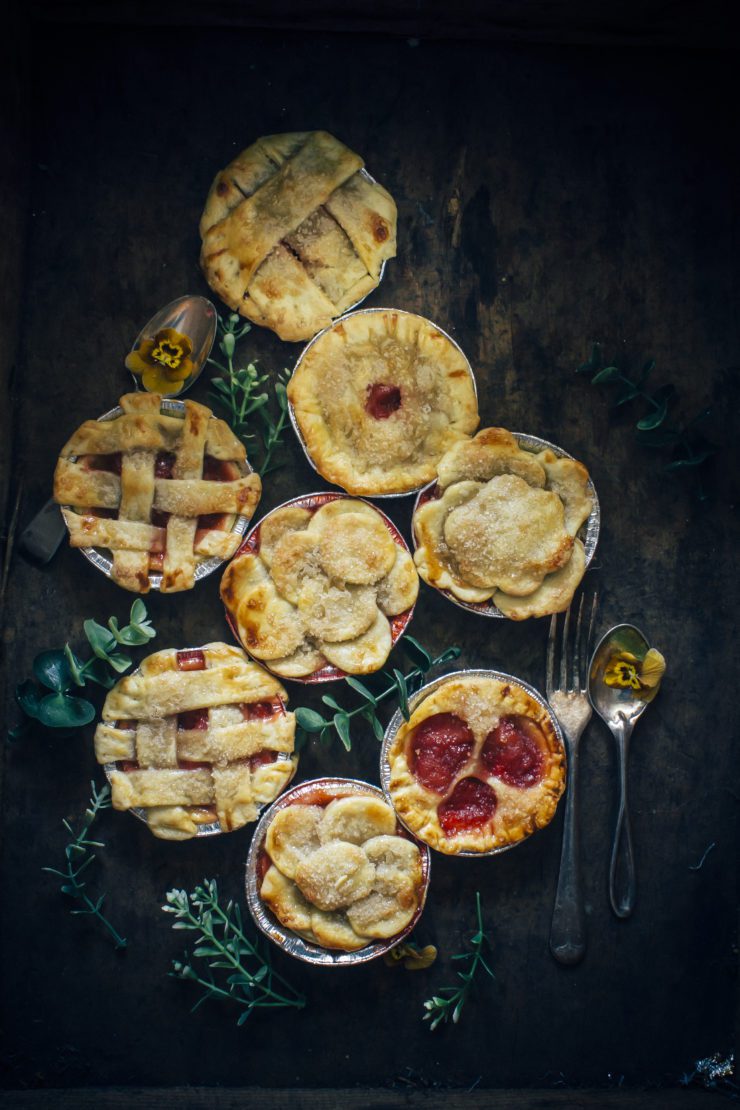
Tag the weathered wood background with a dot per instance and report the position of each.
(548, 196)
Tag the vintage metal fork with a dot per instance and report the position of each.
(569, 701)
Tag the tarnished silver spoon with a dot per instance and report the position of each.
(190, 315)
(620, 707)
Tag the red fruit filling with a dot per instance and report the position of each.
(471, 805)
(438, 749)
(382, 400)
(193, 719)
(262, 710)
(512, 752)
(191, 660)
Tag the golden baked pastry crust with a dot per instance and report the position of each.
(502, 524)
(379, 398)
(197, 737)
(294, 234)
(137, 486)
(322, 589)
(346, 879)
(521, 804)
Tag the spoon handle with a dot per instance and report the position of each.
(568, 929)
(622, 880)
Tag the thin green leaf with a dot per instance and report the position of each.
(403, 693)
(605, 375)
(75, 666)
(310, 720)
(653, 419)
(693, 460)
(341, 724)
(361, 689)
(419, 654)
(100, 639)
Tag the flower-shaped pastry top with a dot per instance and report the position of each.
(163, 362)
(161, 492)
(379, 397)
(502, 525)
(479, 765)
(340, 875)
(318, 586)
(199, 738)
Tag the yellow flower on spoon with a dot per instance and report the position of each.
(163, 362)
(626, 670)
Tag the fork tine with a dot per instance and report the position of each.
(550, 672)
(564, 652)
(590, 638)
(577, 649)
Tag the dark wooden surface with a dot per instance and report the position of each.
(547, 196)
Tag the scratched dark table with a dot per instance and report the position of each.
(548, 196)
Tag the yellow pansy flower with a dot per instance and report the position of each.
(412, 957)
(163, 361)
(626, 670)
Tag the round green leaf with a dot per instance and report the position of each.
(52, 670)
(309, 720)
(28, 697)
(62, 711)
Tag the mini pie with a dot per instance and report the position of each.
(319, 588)
(478, 766)
(159, 492)
(197, 736)
(339, 875)
(294, 234)
(502, 525)
(379, 398)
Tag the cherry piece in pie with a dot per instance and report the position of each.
(197, 737)
(160, 492)
(478, 766)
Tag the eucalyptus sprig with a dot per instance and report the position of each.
(687, 445)
(60, 670)
(401, 686)
(79, 855)
(441, 1009)
(224, 946)
(240, 394)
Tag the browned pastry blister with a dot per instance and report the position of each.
(294, 233)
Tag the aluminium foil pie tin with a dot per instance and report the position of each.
(206, 828)
(398, 624)
(416, 700)
(588, 533)
(335, 324)
(100, 558)
(285, 938)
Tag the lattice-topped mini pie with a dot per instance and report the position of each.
(321, 581)
(295, 233)
(501, 524)
(379, 398)
(159, 486)
(198, 738)
(478, 766)
(338, 873)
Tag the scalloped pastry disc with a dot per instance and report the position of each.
(293, 835)
(335, 875)
(357, 819)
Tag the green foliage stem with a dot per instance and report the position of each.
(79, 855)
(239, 393)
(402, 686)
(223, 945)
(439, 1008)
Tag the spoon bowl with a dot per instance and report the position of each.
(620, 708)
(194, 317)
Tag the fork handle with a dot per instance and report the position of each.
(568, 929)
(622, 877)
